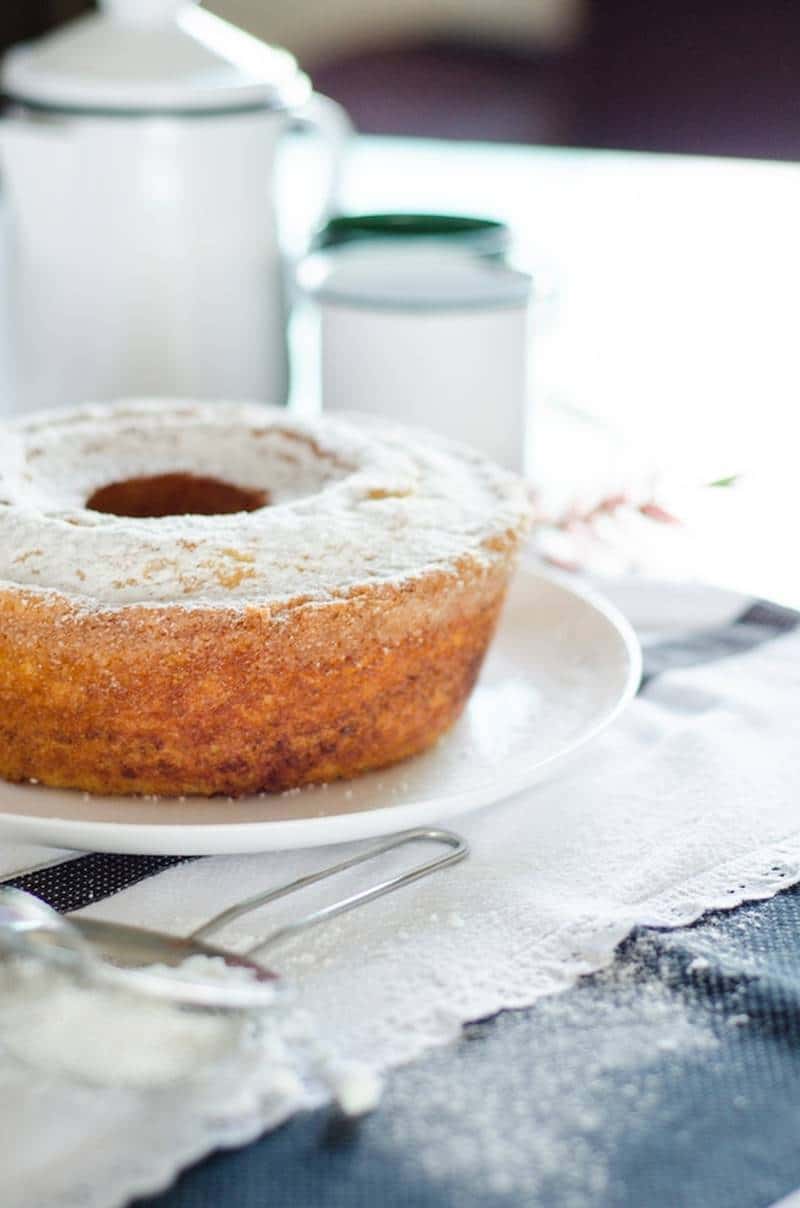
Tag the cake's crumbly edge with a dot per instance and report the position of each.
(177, 701)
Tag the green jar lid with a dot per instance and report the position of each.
(483, 236)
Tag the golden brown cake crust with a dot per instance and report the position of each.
(179, 701)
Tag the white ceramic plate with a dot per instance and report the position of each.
(563, 664)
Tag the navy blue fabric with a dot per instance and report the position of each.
(761, 622)
(76, 883)
(711, 1124)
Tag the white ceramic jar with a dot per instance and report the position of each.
(139, 166)
(429, 338)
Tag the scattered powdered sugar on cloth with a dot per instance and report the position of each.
(687, 803)
(502, 1142)
(107, 1092)
(105, 1037)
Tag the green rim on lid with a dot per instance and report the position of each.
(486, 236)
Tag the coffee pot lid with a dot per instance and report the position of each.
(145, 56)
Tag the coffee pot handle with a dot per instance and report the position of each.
(332, 127)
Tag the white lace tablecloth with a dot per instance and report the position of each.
(687, 803)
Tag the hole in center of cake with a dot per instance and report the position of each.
(178, 494)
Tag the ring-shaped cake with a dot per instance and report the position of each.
(204, 598)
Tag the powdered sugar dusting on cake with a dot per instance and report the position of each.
(353, 502)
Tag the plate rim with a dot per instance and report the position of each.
(220, 838)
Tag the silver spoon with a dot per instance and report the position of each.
(139, 959)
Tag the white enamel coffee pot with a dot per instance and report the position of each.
(138, 168)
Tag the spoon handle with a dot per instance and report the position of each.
(457, 850)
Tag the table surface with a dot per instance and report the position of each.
(665, 345)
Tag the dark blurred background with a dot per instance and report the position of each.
(718, 77)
